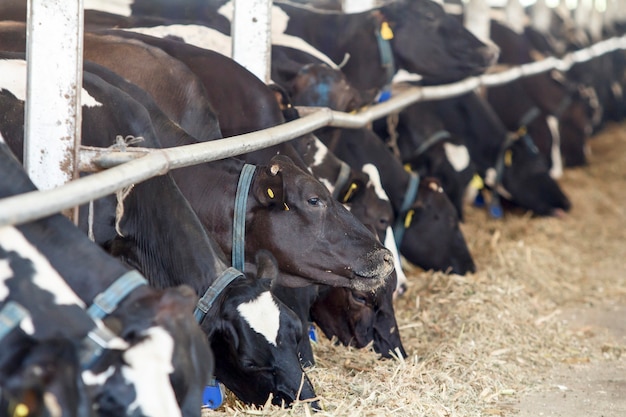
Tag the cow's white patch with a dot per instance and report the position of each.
(403, 76)
(5, 273)
(92, 379)
(14, 77)
(121, 7)
(326, 183)
(27, 325)
(52, 404)
(320, 153)
(150, 365)
(490, 177)
(372, 172)
(556, 171)
(280, 20)
(45, 277)
(390, 243)
(197, 35)
(457, 155)
(2, 138)
(14, 80)
(263, 316)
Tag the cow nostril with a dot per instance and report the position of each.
(388, 257)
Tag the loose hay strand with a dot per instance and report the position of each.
(477, 343)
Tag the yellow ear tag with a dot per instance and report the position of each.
(270, 193)
(508, 158)
(477, 182)
(349, 193)
(21, 410)
(407, 168)
(409, 218)
(286, 206)
(385, 31)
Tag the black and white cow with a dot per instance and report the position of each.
(157, 325)
(512, 167)
(426, 225)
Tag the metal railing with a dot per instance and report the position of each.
(127, 168)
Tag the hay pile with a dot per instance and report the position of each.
(479, 342)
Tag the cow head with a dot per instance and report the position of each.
(434, 44)
(255, 339)
(167, 362)
(322, 86)
(46, 382)
(433, 239)
(312, 235)
(357, 318)
(527, 182)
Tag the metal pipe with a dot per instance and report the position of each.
(147, 163)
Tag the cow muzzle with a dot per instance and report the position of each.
(372, 270)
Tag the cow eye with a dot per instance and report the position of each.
(358, 297)
(314, 201)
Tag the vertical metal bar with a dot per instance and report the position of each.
(53, 109)
(541, 16)
(355, 6)
(515, 15)
(477, 18)
(251, 33)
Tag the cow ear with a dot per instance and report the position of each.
(181, 298)
(268, 186)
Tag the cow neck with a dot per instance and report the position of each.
(431, 141)
(403, 219)
(10, 317)
(211, 294)
(504, 160)
(108, 300)
(94, 344)
(239, 216)
(383, 35)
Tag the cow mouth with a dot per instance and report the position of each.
(377, 266)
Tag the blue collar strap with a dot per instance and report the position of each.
(433, 139)
(239, 216)
(529, 116)
(94, 344)
(409, 198)
(10, 317)
(211, 294)
(344, 174)
(386, 56)
(107, 301)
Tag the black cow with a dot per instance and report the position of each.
(158, 325)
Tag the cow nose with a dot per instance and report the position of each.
(375, 266)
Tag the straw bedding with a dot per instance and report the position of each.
(478, 343)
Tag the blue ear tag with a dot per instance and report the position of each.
(495, 210)
(479, 201)
(312, 333)
(384, 96)
(213, 395)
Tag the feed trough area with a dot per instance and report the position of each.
(537, 329)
